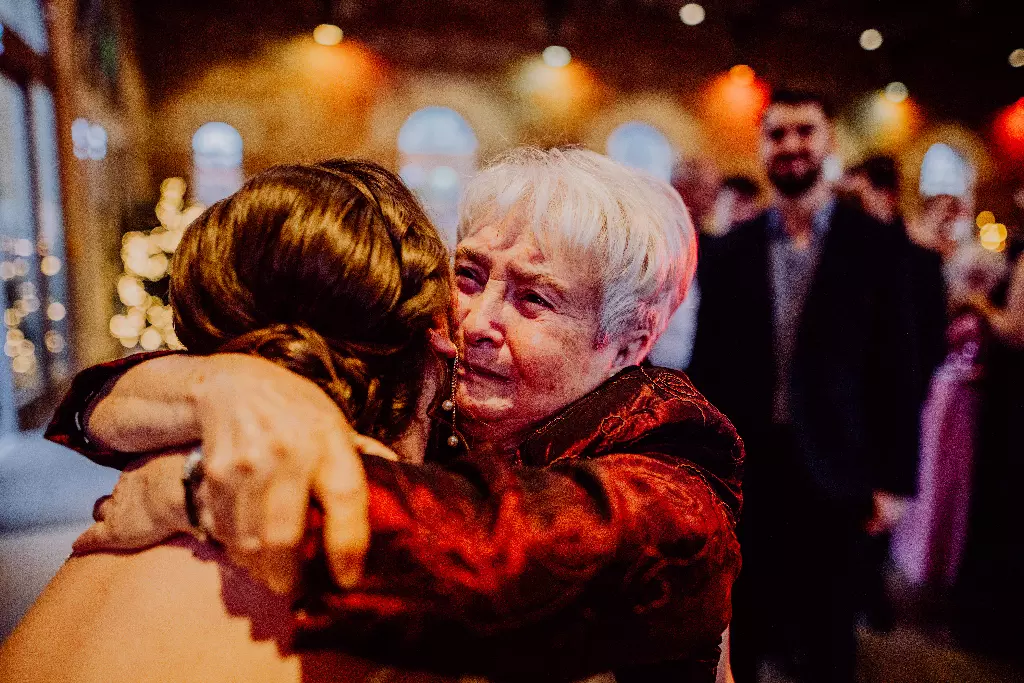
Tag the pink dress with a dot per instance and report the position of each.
(928, 543)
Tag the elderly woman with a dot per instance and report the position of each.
(576, 510)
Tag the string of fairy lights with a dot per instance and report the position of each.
(22, 313)
(146, 321)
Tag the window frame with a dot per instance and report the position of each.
(24, 67)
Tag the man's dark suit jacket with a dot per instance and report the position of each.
(855, 385)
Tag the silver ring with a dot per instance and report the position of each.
(191, 477)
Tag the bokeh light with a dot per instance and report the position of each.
(1008, 130)
(56, 311)
(887, 124)
(984, 218)
(993, 236)
(871, 39)
(50, 265)
(692, 14)
(896, 92)
(1017, 58)
(732, 104)
(742, 74)
(327, 34)
(556, 56)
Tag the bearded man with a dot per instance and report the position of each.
(805, 340)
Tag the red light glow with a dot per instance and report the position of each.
(1008, 130)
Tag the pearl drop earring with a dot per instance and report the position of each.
(449, 404)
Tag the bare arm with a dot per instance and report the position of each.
(271, 440)
(150, 407)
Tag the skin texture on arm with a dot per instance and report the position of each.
(271, 439)
(176, 612)
(151, 407)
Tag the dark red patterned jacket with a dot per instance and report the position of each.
(607, 543)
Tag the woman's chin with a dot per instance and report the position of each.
(491, 410)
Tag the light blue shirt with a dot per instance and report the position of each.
(792, 269)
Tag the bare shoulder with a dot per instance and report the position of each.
(176, 612)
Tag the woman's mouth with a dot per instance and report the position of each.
(482, 372)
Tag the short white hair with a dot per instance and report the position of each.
(633, 229)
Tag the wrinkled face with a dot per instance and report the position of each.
(529, 334)
(795, 140)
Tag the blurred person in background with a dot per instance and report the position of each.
(697, 180)
(738, 201)
(805, 338)
(573, 518)
(928, 543)
(988, 598)
(875, 184)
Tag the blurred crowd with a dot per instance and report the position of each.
(871, 354)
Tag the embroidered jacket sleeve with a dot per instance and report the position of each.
(609, 544)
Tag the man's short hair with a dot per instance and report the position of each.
(745, 186)
(880, 171)
(794, 97)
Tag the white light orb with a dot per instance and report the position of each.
(556, 56)
(896, 92)
(327, 34)
(871, 39)
(692, 14)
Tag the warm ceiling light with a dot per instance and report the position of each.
(871, 39)
(692, 14)
(327, 34)
(742, 74)
(1017, 58)
(896, 92)
(556, 56)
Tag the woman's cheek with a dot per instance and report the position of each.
(539, 361)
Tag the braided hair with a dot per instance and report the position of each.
(333, 271)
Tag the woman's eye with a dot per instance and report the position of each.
(536, 299)
(465, 272)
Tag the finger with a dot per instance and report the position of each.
(368, 446)
(98, 511)
(215, 492)
(96, 537)
(340, 486)
(248, 511)
(277, 562)
(249, 479)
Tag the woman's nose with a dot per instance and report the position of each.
(482, 323)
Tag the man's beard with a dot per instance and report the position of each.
(792, 185)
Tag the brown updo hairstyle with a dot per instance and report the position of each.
(333, 271)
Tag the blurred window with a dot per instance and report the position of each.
(642, 146)
(52, 273)
(15, 229)
(33, 289)
(436, 157)
(216, 162)
(25, 17)
(945, 171)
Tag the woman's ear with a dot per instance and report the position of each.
(633, 349)
(442, 344)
